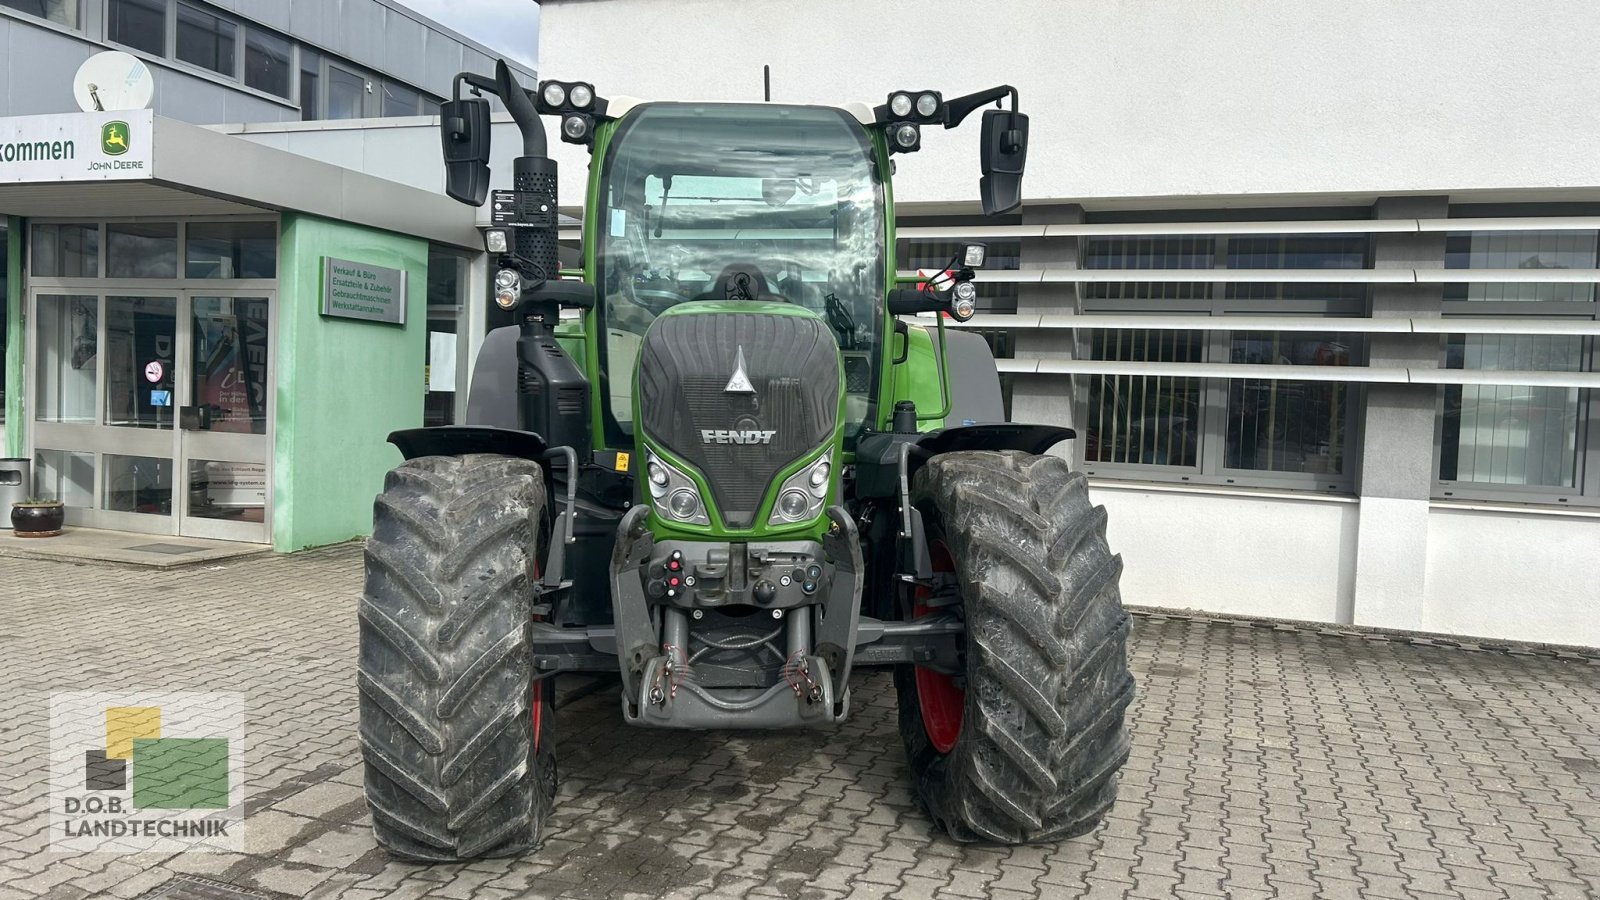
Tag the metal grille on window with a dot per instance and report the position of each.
(1140, 419)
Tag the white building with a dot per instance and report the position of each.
(1413, 189)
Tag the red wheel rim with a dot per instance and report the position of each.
(942, 703)
(538, 713)
(538, 686)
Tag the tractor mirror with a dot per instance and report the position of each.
(464, 132)
(1005, 154)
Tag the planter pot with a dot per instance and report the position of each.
(37, 519)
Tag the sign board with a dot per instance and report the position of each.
(520, 209)
(353, 290)
(108, 146)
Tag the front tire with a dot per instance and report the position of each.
(1025, 745)
(455, 734)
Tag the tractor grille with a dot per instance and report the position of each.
(684, 369)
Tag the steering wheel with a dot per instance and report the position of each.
(739, 280)
(656, 301)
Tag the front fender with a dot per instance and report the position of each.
(878, 456)
(456, 440)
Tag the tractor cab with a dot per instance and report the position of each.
(711, 203)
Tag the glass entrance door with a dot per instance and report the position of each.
(152, 411)
(226, 398)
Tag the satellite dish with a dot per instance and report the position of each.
(113, 80)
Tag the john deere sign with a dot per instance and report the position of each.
(76, 147)
(353, 290)
(114, 138)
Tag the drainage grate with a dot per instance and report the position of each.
(170, 549)
(188, 887)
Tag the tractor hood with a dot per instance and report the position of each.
(739, 391)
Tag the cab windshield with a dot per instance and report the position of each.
(739, 201)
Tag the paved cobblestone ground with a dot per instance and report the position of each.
(1265, 764)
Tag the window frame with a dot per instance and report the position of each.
(1216, 346)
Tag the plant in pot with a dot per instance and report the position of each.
(37, 518)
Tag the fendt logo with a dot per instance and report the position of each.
(725, 436)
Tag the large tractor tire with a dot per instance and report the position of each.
(460, 760)
(1025, 745)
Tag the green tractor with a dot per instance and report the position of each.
(740, 469)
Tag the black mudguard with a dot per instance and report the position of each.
(878, 456)
(455, 440)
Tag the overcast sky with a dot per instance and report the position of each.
(508, 26)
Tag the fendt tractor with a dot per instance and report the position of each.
(749, 461)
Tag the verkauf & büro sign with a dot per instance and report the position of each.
(353, 290)
(91, 146)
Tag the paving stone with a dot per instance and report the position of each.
(1280, 764)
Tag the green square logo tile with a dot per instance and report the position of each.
(180, 773)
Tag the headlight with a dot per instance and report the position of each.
(575, 129)
(495, 241)
(507, 288)
(900, 104)
(673, 494)
(927, 105)
(554, 94)
(581, 95)
(965, 301)
(907, 136)
(683, 503)
(802, 494)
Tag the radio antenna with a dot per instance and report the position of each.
(766, 82)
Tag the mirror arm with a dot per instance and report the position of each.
(957, 110)
(478, 83)
(522, 111)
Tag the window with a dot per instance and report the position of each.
(1133, 419)
(1519, 442)
(1288, 426)
(310, 85)
(1293, 433)
(65, 251)
(1521, 250)
(267, 60)
(142, 250)
(61, 12)
(205, 40)
(346, 93)
(231, 250)
(1498, 434)
(140, 24)
(447, 319)
(399, 100)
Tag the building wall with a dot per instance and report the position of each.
(331, 451)
(1504, 574)
(38, 62)
(1249, 555)
(1157, 98)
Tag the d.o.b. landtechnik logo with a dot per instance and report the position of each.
(140, 772)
